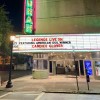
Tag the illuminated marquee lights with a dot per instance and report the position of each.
(29, 16)
(57, 43)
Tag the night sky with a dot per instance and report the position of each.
(15, 9)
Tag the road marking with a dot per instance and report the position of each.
(38, 98)
(29, 92)
(5, 94)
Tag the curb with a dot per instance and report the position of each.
(74, 92)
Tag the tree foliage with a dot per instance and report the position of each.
(5, 31)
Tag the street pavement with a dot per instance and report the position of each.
(3, 92)
(19, 96)
(57, 83)
(59, 96)
(51, 88)
(47, 96)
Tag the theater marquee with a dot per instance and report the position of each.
(56, 43)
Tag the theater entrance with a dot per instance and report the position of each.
(63, 64)
(61, 67)
(60, 63)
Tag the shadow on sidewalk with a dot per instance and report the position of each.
(15, 74)
(20, 73)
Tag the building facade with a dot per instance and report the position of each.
(67, 17)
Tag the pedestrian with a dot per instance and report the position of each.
(66, 69)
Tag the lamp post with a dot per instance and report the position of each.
(9, 83)
(75, 68)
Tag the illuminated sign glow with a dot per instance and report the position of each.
(29, 15)
(88, 67)
(57, 43)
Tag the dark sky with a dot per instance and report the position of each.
(15, 9)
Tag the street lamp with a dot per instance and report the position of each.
(75, 68)
(9, 83)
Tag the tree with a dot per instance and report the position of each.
(5, 32)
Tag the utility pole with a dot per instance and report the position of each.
(75, 69)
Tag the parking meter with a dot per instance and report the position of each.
(87, 76)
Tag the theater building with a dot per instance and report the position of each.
(74, 26)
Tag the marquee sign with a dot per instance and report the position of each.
(57, 43)
(29, 16)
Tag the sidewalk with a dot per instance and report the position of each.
(57, 83)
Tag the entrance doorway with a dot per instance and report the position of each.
(72, 69)
(81, 67)
(77, 67)
(50, 66)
